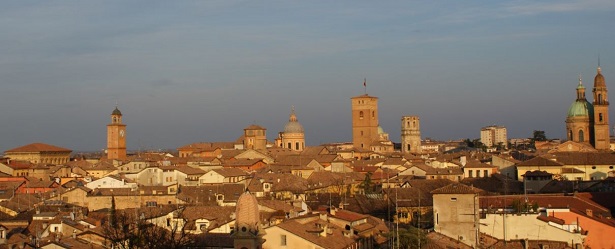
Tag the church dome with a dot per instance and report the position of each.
(116, 112)
(380, 130)
(247, 215)
(293, 125)
(580, 108)
(599, 79)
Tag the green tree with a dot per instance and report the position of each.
(409, 237)
(367, 184)
(539, 136)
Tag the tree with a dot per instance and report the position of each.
(409, 237)
(128, 230)
(539, 136)
(367, 184)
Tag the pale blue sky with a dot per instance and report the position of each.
(193, 71)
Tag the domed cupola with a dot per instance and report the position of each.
(599, 79)
(293, 126)
(580, 107)
(116, 112)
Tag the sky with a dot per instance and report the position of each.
(201, 71)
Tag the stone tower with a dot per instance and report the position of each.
(255, 137)
(364, 121)
(601, 113)
(293, 136)
(247, 233)
(579, 122)
(116, 137)
(410, 134)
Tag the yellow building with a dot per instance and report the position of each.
(39, 153)
(255, 137)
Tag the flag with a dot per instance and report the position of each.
(364, 82)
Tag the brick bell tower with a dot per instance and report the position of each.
(116, 137)
(601, 113)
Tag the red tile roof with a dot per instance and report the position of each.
(38, 147)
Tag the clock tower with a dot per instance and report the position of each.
(116, 137)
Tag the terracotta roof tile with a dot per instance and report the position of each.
(456, 188)
(39, 147)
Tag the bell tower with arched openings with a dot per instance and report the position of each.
(364, 121)
(116, 137)
(410, 134)
(601, 113)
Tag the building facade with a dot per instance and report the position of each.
(364, 121)
(116, 137)
(255, 137)
(39, 153)
(494, 135)
(410, 134)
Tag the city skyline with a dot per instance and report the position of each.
(192, 72)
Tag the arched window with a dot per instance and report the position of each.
(373, 114)
(570, 135)
(600, 117)
(297, 146)
(581, 137)
(290, 146)
(361, 114)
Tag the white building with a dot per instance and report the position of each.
(493, 135)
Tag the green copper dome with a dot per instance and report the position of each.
(581, 108)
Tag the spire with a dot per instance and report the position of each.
(580, 90)
(293, 116)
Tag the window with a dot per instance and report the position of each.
(453, 198)
(297, 146)
(470, 173)
(361, 114)
(594, 167)
(486, 173)
(581, 137)
(611, 167)
(283, 239)
(600, 117)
